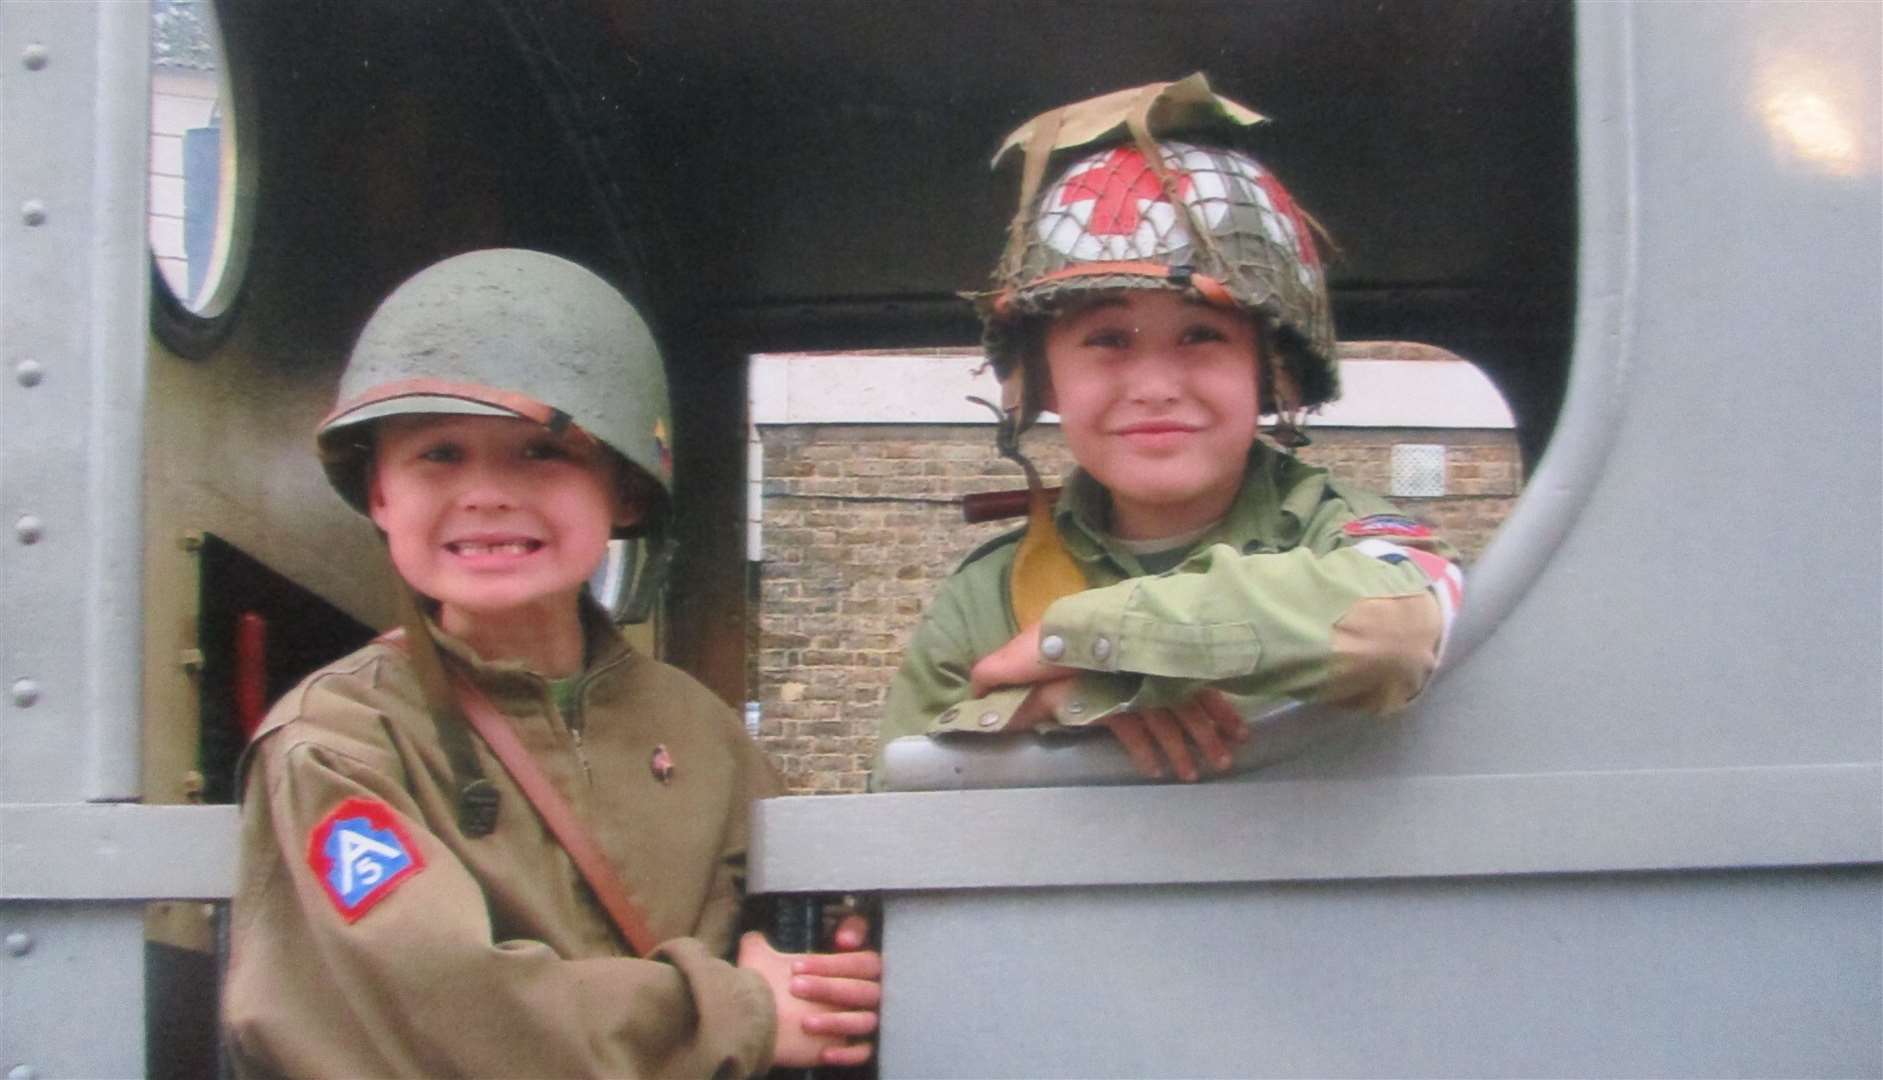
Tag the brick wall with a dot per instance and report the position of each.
(860, 527)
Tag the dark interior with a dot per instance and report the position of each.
(765, 175)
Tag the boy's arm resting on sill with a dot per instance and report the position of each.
(931, 691)
(416, 985)
(1355, 615)
(1362, 625)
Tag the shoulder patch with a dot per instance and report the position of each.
(1003, 540)
(361, 853)
(1386, 525)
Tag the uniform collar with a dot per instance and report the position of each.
(1277, 497)
(602, 645)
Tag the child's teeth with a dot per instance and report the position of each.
(516, 547)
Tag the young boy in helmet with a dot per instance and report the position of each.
(1160, 293)
(404, 907)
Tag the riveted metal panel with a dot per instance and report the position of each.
(73, 100)
(71, 990)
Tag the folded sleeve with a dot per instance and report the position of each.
(1356, 614)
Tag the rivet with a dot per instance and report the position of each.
(33, 212)
(948, 717)
(29, 529)
(29, 372)
(1101, 648)
(19, 943)
(22, 1072)
(989, 719)
(25, 693)
(35, 56)
(1075, 707)
(1052, 646)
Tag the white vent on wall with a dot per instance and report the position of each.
(1418, 470)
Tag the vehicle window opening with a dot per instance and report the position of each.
(859, 462)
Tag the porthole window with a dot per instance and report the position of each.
(200, 187)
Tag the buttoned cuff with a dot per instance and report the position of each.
(1094, 631)
(1095, 697)
(985, 715)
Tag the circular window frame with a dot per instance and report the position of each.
(195, 332)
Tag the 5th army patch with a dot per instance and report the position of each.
(360, 853)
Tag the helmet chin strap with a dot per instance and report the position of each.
(1043, 570)
(1287, 431)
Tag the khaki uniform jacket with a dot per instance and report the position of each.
(1307, 590)
(372, 938)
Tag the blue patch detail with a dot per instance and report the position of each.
(364, 862)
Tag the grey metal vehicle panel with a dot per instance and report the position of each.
(1637, 827)
(72, 101)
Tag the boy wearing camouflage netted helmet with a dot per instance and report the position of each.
(500, 842)
(1160, 292)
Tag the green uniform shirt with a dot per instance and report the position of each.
(1268, 606)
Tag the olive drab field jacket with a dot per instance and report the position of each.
(370, 937)
(1307, 590)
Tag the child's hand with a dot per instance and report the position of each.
(1156, 738)
(1017, 663)
(1153, 738)
(824, 1000)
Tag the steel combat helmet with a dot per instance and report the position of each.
(509, 332)
(1148, 193)
(1157, 199)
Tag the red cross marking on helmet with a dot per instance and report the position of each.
(1285, 204)
(1118, 183)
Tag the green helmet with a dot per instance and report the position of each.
(508, 332)
(1140, 208)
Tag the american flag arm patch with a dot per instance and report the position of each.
(361, 852)
(1387, 525)
(1442, 576)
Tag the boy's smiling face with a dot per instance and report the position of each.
(493, 515)
(1159, 400)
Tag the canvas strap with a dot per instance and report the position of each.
(556, 813)
(1039, 149)
(477, 796)
(451, 695)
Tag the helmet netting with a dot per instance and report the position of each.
(1213, 212)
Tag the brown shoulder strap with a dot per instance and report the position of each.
(559, 816)
(555, 811)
